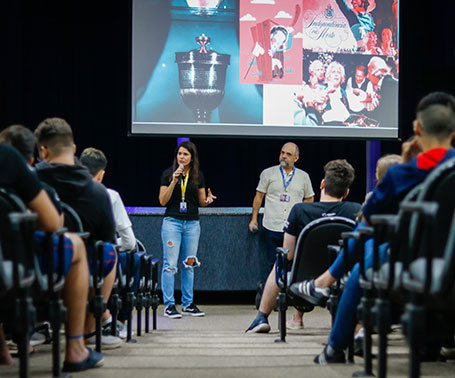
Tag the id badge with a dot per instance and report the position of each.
(183, 208)
(285, 197)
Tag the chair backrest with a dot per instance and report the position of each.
(17, 238)
(439, 187)
(71, 219)
(311, 256)
(9, 203)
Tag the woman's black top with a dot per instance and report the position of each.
(191, 197)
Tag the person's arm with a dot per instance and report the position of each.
(126, 240)
(350, 15)
(309, 199)
(205, 200)
(48, 218)
(166, 191)
(257, 202)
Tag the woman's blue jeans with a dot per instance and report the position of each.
(179, 237)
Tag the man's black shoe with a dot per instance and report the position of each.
(330, 356)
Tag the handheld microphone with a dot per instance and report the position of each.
(181, 166)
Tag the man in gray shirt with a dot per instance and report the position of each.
(283, 186)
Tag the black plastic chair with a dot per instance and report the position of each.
(97, 305)
(18, 275)
(149, 289)
(426, 273)
(311, 259)
(410, 231)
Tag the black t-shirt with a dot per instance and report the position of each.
(16, 176)
(76, 187)
(191, 197)
(303, 213)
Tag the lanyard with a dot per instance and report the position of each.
(184, 184)
(286, 184)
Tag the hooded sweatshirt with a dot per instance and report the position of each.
(87, 197)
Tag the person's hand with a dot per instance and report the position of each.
(210, 197)
(409, 149)
(253, 226)
(176, 174)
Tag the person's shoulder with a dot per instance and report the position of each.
(300, 171)
(113, 194)
(352, 204)
(304, 206)
(99, 188)
(8, 151)
(271, 169)
(167, 172)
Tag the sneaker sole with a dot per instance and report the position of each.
(261, 328)
(195, 315)
(177, 316)
(105, 346)
(294, 327)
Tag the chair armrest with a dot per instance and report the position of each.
(422, 207)
(384, 219)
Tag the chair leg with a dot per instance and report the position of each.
(58, 315)
(383, 319)
(333, 306)
(414, 325)
(147, 319)
(282, 305)
(139, 303)
(130, 298)
(350, 359)
(98, 314)
(365, 307)
(26, 316)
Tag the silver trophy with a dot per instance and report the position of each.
(202, 77)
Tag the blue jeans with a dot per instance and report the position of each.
(346, 316)
(338, 269)
(179, 237)
(273, 239)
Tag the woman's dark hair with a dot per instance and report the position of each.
(194, 164)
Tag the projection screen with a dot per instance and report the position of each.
(265, 68)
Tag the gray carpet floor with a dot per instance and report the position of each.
(215, 346)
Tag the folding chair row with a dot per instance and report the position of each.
(415, 285)
(28, 291)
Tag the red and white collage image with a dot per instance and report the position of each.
(322, 63)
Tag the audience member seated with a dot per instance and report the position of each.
(339, 175)
(434, 128)
(95, 161)
(17, 178)
(88, 198)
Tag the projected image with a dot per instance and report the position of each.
(337, 90)
(265, 68)
(271, 42)
(186, 64)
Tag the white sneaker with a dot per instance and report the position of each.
(107, 342)
(122, 330)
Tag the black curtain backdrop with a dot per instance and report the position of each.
(71, 59)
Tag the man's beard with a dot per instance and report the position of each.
(284, 163)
